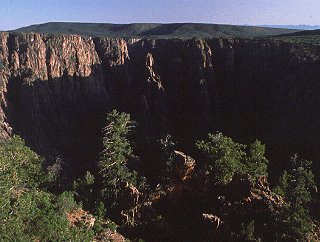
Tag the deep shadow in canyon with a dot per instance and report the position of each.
(248, 89)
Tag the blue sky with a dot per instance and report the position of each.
(18, 13)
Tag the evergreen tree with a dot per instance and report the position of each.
(223, 157)
(256, 163)
(117, 150)
(296, 185)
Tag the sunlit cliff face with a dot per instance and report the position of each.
(56, 90)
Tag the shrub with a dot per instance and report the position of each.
(27, 213)
(223, 157)
(20, 167)
(84, 190)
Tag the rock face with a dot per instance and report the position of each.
(51, 83)
(270, 90)
(5, 130)
(184, 165)
(56, 90)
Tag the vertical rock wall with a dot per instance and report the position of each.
(56, 90)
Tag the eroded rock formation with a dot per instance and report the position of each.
(56, 90)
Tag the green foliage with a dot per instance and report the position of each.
(26, 212)
(283, 184)
(40, 215)
(100, 210)
(44, 217)
(297, 222)
(20, 167)
(101, 222)
(255, 163)
(247, 231)
(295, 186)
(225, 158)
(117, 147)
(297, 183)
(116, 152)
(84, 190)
(223, 155)
(305, 40)
(54, 172)
(65, 202)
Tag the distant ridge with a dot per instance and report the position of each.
(174, 30)
(315, 32)
(296, 27)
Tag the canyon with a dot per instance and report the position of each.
(55, 91)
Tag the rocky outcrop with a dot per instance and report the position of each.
(260, 192)
(112, 52)
(184, 165)
(5, 129)
(109, 236)
(79, 216)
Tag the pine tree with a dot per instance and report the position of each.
(296, 186)
(256, 163)
(116, 152)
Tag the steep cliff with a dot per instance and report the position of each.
(270, 90)
(56, 90)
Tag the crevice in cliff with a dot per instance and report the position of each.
(247, 89)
